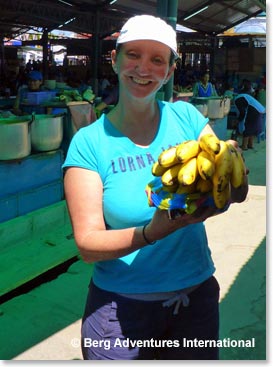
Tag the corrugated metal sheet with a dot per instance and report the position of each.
(205, 16)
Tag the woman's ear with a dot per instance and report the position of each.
(170, 73)
(114, 59)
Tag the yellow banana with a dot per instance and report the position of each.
(169, 177)
(158, 170)
(168, 158)
(205, 164)
(221, 198)
(204, 185)
(186, 189)
(210, 143)
(187, 150)
(188, 172)
(238, 167)
(223, 167)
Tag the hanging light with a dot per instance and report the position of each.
(197, 12)
(65, 2)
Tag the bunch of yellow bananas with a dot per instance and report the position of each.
(208, 166)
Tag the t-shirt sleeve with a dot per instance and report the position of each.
(81, 151)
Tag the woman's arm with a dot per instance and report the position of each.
(83, 191)
(195, 89)
(214, 92)
(241, 105)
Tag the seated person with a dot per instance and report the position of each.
(34, 84)
(204, 88)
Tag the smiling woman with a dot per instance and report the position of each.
(153, 277)
(143, 68)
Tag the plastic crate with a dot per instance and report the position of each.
(37, 98)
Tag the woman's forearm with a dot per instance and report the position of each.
(100, 245)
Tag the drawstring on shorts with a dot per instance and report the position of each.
(177, 300)
(169, 298)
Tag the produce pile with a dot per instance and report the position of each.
(196, 173)
(74, 95)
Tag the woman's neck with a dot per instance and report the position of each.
(205, 84)
(138, 121)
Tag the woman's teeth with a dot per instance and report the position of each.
(141, 81)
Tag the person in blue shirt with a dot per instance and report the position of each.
(34, 84)
(204, 88)
(153, 284)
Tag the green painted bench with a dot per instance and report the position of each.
(34, 243)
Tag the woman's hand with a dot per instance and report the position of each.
(239, 194)
(165, 222)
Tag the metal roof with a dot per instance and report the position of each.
(85, 16)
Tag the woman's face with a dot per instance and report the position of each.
(34, 85)
(205, 78)
(142, 67)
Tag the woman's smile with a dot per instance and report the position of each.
(140, 81)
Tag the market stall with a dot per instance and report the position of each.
(33, 148)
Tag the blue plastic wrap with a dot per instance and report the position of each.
(159, 197)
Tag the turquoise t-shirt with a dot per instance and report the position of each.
(181, 259)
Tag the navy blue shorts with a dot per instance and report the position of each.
(119, 328)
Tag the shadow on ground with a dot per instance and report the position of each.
(30, 318)
(243, 310)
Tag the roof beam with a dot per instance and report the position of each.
(241, 21)
(261, 4)
(59, 17)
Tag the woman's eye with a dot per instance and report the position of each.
(132, 55)
(158, 60)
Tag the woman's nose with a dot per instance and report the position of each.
(142, 67)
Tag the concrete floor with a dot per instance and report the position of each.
(44, 324)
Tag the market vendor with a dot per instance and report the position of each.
(204, 88)
(35, 84)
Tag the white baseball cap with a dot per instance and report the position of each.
(148, 27)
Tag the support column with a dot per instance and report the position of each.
(95, 54)
(162, 11)
(162, 8)
(2, 57)
(172, 20)
(45, 53)
(167, 9)
(212, 57)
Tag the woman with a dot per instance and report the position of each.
(204, 88)
(146, 265)
(251, 117)
(34, 84)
